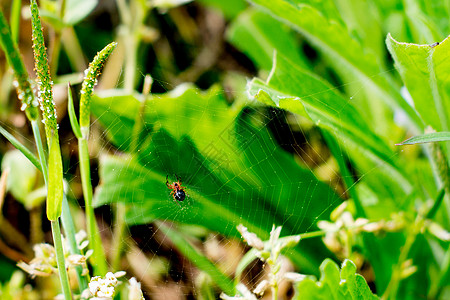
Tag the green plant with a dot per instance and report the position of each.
(312, 141)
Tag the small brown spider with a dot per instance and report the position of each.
(177, 192)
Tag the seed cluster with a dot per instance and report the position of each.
(23, 85)
(45, 85)
(90, 81)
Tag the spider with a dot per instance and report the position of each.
(178, 192)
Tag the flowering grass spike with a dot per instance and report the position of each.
(94, 70)
(45, 84)
(22, 82)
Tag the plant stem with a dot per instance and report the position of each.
(119, 233)
(40, 148)
(392, 288)
(69, 228)
(66, 219)
(15, 19)
(73, 49)
(60, 259)
(98, 257)
(275, 291)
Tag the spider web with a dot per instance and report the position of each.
(149, 251)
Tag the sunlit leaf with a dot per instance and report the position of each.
(427, 138)
(335, 283)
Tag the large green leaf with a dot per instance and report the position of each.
(425, 72)
(344, 53)
(299, 91)
(335, 284)
(232, 168)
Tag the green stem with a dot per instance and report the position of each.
(98, 257)
(275, 291)
(132, 17)
(55, 49)
(60, 259)
(73, 49)
(15, 19)
(36, 234)
(62, 9)
(392, 288)
(69, 228)
(119, 234)
(121, 208)
(130, 61)
(66, 217)
(40, 148)
(345, 173)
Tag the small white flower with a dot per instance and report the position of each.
(252, 239)
(134, 290)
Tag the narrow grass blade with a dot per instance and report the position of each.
(23, 85)
(28, 154)
(442, 136)
(72, 116)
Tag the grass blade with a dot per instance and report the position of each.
(28, 154)
(427, 138)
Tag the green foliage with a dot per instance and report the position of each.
(322, 66)
(335, 284)
(344, 53)
(55, 188)
(361, 124)
(23, 82)
(427, 138)
(258, 35)
(216, 148)
(22, 176)
(302, 92)
(427, 78)
(18, 145)
(77, 10)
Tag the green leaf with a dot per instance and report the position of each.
(299, 91)
(77, 10)
(217, 152)
(425, 72)
(258, 35)
(28, 154)
(335, 284)
(24, 89)
(344, 53)
(55, 187)
(427, 138)
(72, 115)
(423, 29)
(22, 175)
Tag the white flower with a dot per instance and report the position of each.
(252, 239)
(104, 287)
(134, 290)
